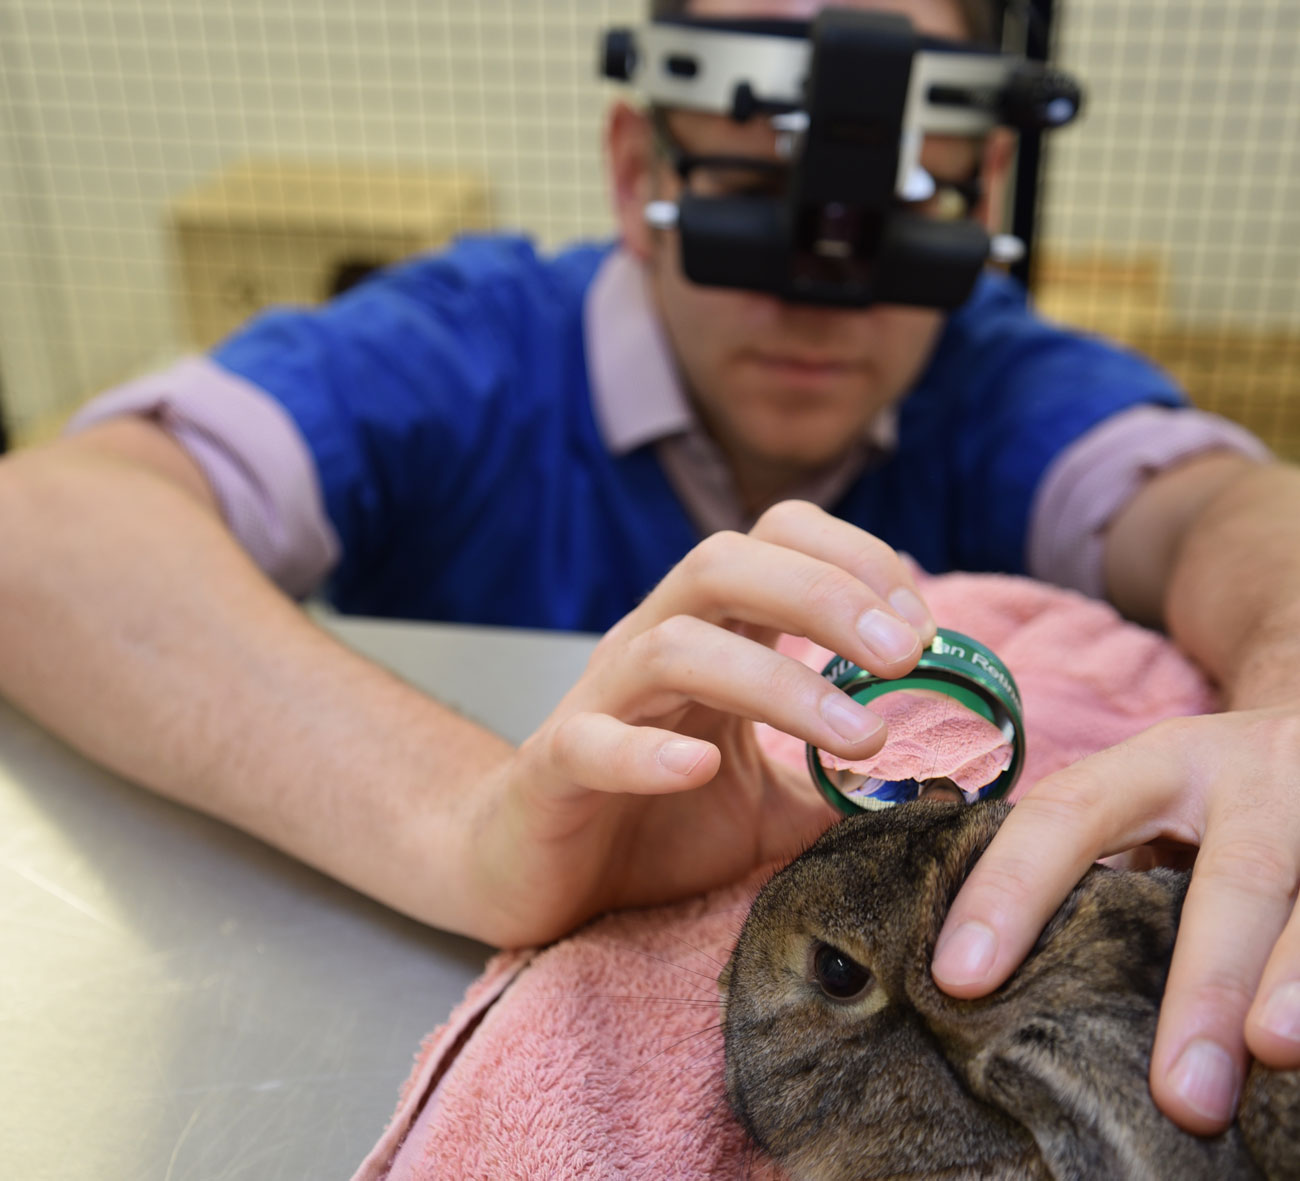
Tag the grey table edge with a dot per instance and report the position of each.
(179, 1001)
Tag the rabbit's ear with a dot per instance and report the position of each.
(1091, 1112)
(1064, 1047)
(1269, 1116)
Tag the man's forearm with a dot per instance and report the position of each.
(133, 626)
(1233, 597)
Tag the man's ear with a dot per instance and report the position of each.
(995, 170)
(629, 155)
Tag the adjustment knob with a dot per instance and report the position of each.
(1036, 99)
(618, 54)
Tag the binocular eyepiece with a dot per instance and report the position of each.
(853, 95)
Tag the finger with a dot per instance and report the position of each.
(1238, 903)
(733, 578)
(597, 752)
(797, 524)
(1100, 805)
(686, 661)
(1273, 1024)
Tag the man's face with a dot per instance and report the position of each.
(789, 387)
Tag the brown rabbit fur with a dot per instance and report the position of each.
(1045, 1078)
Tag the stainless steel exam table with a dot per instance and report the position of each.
(179, 1001)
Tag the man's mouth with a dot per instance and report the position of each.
(803, 365)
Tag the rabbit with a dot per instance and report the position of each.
(844, 1060)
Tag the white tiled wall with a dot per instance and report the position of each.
(108, 108)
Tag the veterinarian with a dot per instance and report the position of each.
(591, 441)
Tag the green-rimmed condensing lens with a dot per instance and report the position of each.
(956, 667)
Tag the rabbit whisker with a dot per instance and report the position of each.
(715, 1028)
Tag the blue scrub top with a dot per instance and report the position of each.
(447, 405)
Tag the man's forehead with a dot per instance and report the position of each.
(939, 18)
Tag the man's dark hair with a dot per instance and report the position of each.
(983, 18)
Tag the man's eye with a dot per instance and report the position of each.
(949, 203)
(734, 182)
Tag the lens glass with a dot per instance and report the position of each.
(950, 201)
(937, 746)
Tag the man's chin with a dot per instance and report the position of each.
(804, 454)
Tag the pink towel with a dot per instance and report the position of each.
(601, 1055)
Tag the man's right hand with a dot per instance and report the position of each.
(646, 783)
(133, 626)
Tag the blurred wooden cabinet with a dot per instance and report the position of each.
(1248, 374)
(266, 232)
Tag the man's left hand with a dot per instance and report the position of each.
(1228, 784)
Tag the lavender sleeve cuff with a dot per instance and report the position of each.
(1095, 477)
(253, 456)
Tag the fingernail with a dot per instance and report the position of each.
(913, 610)
(966, 956)
(851, 721)
(1281, 1016)
(889, 638)
(681, 756)
(1205, 1078)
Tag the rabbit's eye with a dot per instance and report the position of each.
(841, 978)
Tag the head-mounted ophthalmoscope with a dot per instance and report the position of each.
(851, 96)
